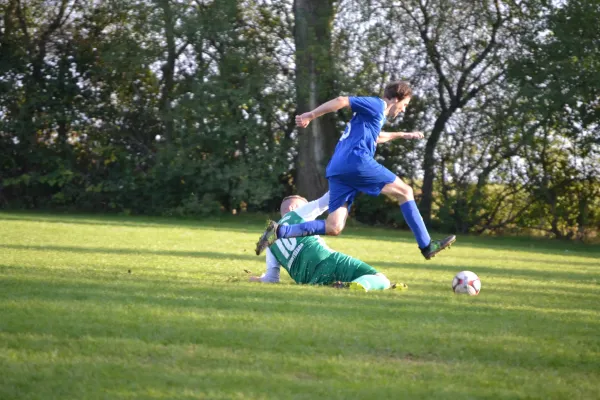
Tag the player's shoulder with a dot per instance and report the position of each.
(374, 103)
(291, 217)
(369, 99)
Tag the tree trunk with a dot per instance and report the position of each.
(6, 35)
(168, 70)
(314, 85)
(429, 165)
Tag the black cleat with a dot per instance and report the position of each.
(268, 237)
(436, 246)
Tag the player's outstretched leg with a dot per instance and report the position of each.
(275, 231)
(366, 283)
(436, 246)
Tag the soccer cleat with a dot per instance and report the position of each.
(349, 285)
(436, 246)
(268, 237)
(399, 286)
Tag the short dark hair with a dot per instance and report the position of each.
(397, 89)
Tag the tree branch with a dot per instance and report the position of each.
(432, 51)
(23, 23)
(55, 24)
(473, 92)
(180, 51)
(491, 44)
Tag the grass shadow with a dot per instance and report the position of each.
(141, 251)
(482, 271)
(254, 224)
(211, 316)
(490, 271)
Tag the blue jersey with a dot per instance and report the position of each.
(360, 136)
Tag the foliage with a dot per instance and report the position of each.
(559, 79)
(187, 108)
(107, 144)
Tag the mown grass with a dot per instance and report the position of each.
(96, 307)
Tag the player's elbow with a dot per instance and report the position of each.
(384, 137)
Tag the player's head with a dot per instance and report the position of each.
(398, 94)
(290, 203)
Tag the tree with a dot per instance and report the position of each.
(461, 42)
(314, 85)
(559, 79)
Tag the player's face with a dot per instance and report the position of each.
(399, 107)
(290, 205)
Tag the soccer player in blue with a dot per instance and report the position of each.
(353, 169)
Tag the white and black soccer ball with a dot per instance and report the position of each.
(466, 282)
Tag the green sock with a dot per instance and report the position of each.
(373, 282)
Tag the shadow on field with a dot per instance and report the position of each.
(228, 223)
(167, 334)
(513, 273)
(222, 255)
(254, 224)
(182, 371)
(244, 317)
(104, 250)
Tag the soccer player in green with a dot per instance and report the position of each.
(309, 260)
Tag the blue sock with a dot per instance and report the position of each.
(413, 218)
(373, 282)
(311, 228)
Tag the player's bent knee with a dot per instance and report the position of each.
(404, 191)
(399, 190)
(335, 230)
(334, 226)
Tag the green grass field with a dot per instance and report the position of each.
(98, 307)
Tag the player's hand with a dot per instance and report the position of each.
(414, 135)
(303, 120)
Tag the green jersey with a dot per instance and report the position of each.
(299, 255)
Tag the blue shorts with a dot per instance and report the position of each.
(370, 178)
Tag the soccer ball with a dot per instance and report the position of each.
(466, 282)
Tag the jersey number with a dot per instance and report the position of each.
(286, 246)
(347, 130)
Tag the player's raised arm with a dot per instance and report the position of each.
(338, 103)
(387, 136)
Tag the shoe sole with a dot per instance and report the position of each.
(399, 286)
(263, 243)
(447, 246)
